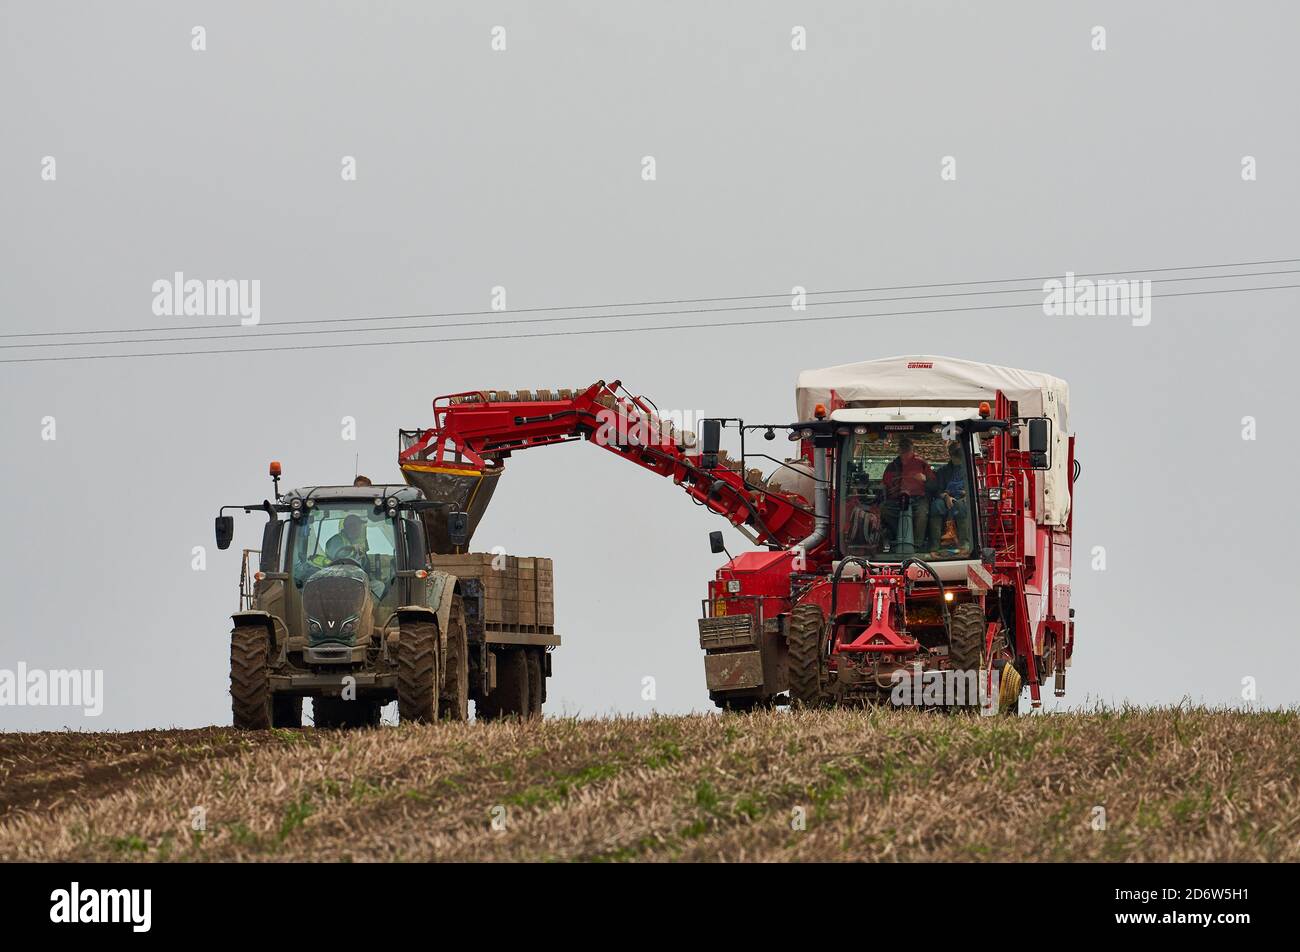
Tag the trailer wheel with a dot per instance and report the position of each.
(966, 641)
(536, 682)
(417, 672)
(332, 713)
(806, 640)
(250, 682)
(286, 710)
(510, 699)
(454, 703)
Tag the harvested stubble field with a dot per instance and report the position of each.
(1176, 785)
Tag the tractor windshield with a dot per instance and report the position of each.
(344, 533)
(905, 490)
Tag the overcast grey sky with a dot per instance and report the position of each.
(522, 168)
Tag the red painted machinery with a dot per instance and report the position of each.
(915, 549)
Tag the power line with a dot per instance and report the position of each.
(600, 330)
(704, 300)
(589, 317)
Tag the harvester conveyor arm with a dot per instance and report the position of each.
(477, 430)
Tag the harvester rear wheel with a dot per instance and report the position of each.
(454, 703)
(250, 682)
(968, 629)
(418, 678)
(805, 638)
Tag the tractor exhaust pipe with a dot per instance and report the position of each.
(821, 504)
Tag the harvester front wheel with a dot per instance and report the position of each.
(806, 641)
(454, 703)
(967, 631)
(250, 681)
(418, 672)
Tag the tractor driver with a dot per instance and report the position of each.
(350, 542)
(950, 500)
(910, 476)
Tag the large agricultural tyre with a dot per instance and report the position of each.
(967, 631)
(453, 705)
(286, 710)
(418, 672)
(536, 682)
(332, 713)
(806, 641)
(250, 680)
(510, 697)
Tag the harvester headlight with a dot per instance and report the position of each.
(733, 585)
(995, 493)
(805, 434)
(947, 596)
(859, 430)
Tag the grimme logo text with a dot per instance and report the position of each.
(103, 905)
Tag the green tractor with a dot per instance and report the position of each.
(343, 608)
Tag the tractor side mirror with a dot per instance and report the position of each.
(711, 439)
(716, 545)
(225, 531)
(458, 528)
(1040, 445)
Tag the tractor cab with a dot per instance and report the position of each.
(336, 564)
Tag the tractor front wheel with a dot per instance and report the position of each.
(250, 680)
(806, 641)
(418, 675)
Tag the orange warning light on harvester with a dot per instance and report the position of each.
(820, 411)
(984, 408)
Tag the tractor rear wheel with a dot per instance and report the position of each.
(968, 630)
(250, 679)
(332, 713)
(286, 710)
(418, 680)
(454, 703)
(806, 641)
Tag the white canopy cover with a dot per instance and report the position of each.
(930, 381)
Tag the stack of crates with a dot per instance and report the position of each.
(518, 591)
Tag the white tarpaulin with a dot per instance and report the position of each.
(939, 381)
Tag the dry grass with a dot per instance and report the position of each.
(1176, 785)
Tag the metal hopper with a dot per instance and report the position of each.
(462, 487)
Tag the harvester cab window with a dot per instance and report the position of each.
(905, 492)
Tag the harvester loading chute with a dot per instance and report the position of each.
(459, 459)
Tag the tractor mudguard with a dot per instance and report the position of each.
(442, 589)
(253, 618)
